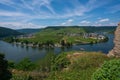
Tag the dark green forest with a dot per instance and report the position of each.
(5, 32)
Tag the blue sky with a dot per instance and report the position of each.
(17, 14)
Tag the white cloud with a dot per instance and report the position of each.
(104, 20)
(63, 23)
(18, 25)
(106, 24)
(35, 11)
(35, 7)
(68, 22)
(11, 14)
(113, 24)
(12, 4)
(98, 24)
(81, 9)
(6, 1)
(85, 22)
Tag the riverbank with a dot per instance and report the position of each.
(65, 42)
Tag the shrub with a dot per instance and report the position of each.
(11, 64)
(46, 63)
(109, 71)
(25, 65)
(9, 39)
(60, 62)
(4, 73)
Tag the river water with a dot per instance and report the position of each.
(16, 53)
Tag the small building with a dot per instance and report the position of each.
(101, 37)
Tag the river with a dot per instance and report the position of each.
(16, 53)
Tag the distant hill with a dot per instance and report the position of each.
(109, 29)
(5, 32)
(63, 29)
(28, 31)
(87, 28)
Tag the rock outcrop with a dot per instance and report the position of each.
(115, 52)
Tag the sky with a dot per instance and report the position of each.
(17, 14)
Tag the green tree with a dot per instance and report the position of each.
(11, 64)
(62, 42)
(4, 72)
(9, 39)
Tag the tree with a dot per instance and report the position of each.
(9, 39)
(62, 42)
(4, 72)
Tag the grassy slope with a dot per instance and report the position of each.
(83, 65)
(51, 34)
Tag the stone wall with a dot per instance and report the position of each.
(116, 49)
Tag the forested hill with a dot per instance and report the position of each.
(110, 29)
(28, 31)
(5, 32)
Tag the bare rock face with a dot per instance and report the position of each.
(115, 52)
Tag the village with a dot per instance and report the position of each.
(97, 36)
(83, 35)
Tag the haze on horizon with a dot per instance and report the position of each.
(17, 14)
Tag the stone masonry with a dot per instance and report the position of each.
(115, 52)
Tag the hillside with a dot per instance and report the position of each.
(5, 32)
(28, 31)
(88, 28)
(108, 29)
(85, 28)
(55, 35)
